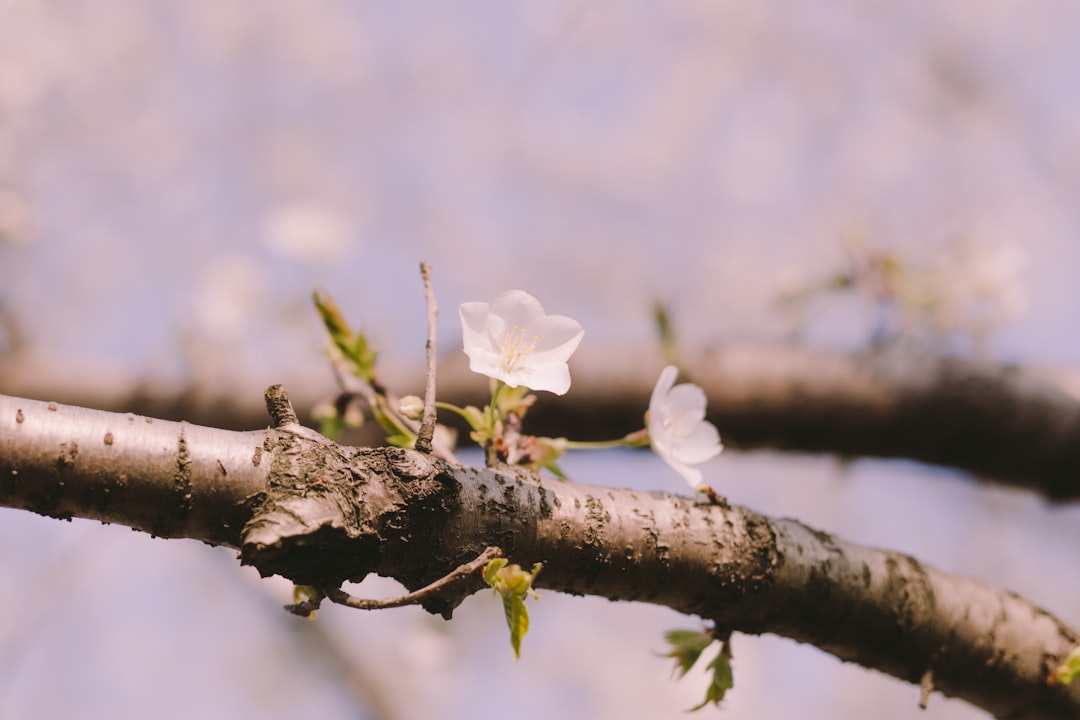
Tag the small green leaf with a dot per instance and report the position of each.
(491, 571)
(354, 347)
(514, 585)
(1067, 671)
(722, 678)
(686, 647)
(335, 323)
(517, 618)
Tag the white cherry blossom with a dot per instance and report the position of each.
(678, 430)
(511, 339)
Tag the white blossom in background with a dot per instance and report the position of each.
(230, 290)
(678, 430)
(511, 339)
(309, 233)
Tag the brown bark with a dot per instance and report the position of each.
(320, 513)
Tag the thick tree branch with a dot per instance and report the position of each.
(1011, 424)
(166, 478)
(321, 514)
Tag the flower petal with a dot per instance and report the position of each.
(678, 431)
(690, 401)
(552, 377)
(691, 475)
(512, 340)
(663, 384)
(474, 320)
(703, 443)
(515, 307)
(557, 338)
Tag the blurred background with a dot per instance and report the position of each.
(176, 179)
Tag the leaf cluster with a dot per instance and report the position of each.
(688, 645)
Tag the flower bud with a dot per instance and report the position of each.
(411, 407)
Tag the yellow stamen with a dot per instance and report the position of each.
(516, 348)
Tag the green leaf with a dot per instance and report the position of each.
(722, 678)
(517, 618)
(491, 571)
(686, 647)
(335, 323)
(514, 585)
(1067, 671)
(474, 416)
(354, 347)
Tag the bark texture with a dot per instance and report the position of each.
(318, 513)
(166, 478)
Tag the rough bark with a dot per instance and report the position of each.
(318, 513)
(1011, 424)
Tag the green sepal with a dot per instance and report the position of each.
(478, 419)
(515, 400)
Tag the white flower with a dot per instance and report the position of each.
(511, 339)
(678, 430)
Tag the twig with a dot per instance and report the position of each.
(427, 423)
(341, 597)
(926, 686)
(278, 405)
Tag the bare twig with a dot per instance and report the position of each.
(339, 596)
(461, 572)
(427, 423)
(926, 686)
(278, 405)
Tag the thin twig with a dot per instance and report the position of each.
(926, 686)
(341, 597)
(427, 423)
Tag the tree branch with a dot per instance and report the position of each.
(1012, 424)
(321, 514)
(165, 478)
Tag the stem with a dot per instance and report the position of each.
(491, 457)
(596, 444)
(390, 421)
(638, 438)
(426, 432)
